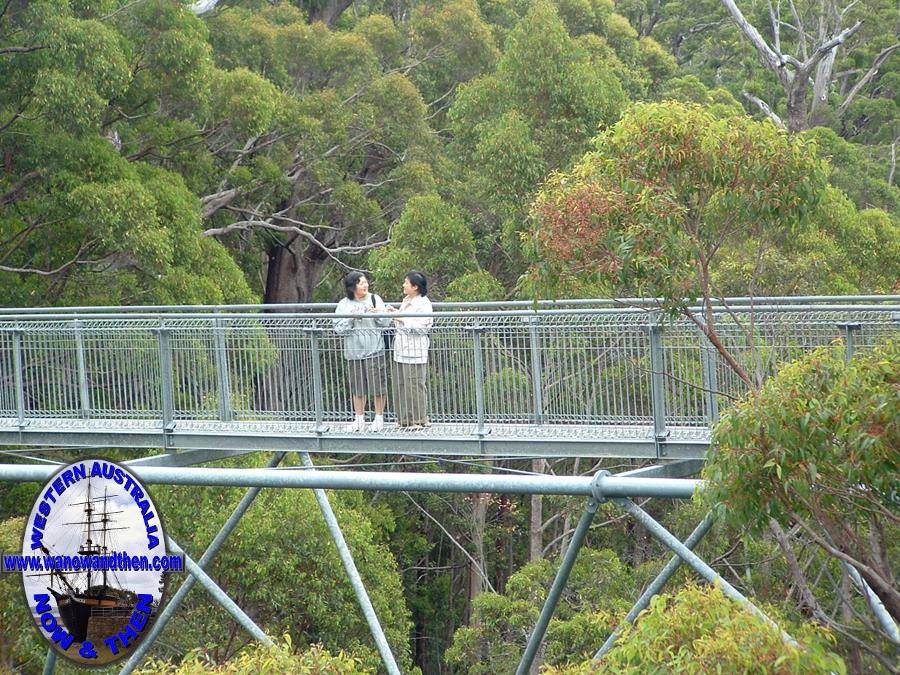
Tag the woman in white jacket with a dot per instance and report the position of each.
(411, 344)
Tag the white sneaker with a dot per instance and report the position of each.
(378, 423)
(358, 425)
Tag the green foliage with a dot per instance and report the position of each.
(245, 100)
(858, 170)
(384, 37)
(281, 658)
(430, 235)
(820, 435)
(597, 595)
(816, 447)
(841, 251)
(20, 643)
(458, 33)
(668, 186)
(699, 630)
(546, 99)
(283, 539)
(689, 89)
(480, 286)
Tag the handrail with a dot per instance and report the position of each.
(327, 307)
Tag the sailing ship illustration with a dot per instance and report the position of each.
(88, 594)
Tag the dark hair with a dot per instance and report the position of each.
(418, 280)
(350, 282)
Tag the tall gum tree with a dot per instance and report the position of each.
(667, 188)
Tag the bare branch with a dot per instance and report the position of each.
(800, 29)
(20, 50)
(203, 6)
(865, 79)
(775, 18)
(762, 105)
(890, 178)
(49, 273)
(807, 599)
(121, 9)
(713, 337)
(264, 224)
(462, 548)
(774, 59)
(212, 203)
(10, 194)
(823, 49)
(872, 576)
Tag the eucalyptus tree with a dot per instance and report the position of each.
(332, 140)
(92, 115)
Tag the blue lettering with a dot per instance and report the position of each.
(43, 603)
(143, 603)
(44, 509)
(36, 538)
(60, 636)
(127, 635)
(138, 620)
(79, 471)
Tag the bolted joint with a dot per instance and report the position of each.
(597, 489)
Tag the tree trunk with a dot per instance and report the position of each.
(535, 531)
(854, 656)
(329, 12)
(479, 516)
(281, 271)
(292, 276)
(797, 93)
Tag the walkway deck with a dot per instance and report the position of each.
(577, 380)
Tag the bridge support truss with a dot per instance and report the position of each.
(663, 481)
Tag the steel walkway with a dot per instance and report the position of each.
(569, 378)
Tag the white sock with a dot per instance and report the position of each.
(379, 418)
(360, 419)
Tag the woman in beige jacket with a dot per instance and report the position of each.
(411, 343)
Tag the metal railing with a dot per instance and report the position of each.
(580, 371)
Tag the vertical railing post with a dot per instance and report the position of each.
(710, 383)
(658, 385)
(479, 379)
(166, 380)
(18, 365)
(84, 392)
(850, 330)
(534, 341)
(316, 358)
(226, 414)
